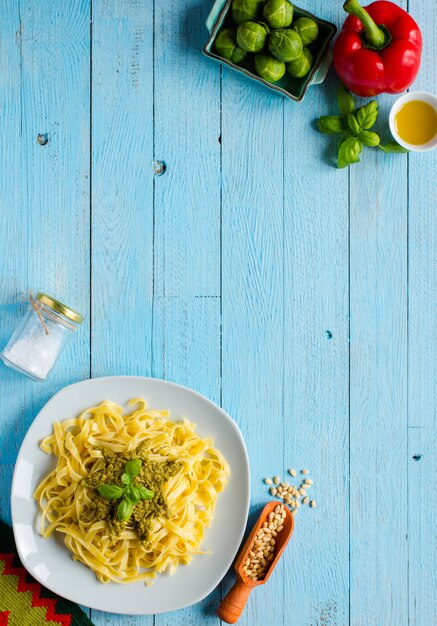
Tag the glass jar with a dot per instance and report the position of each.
(41, 336)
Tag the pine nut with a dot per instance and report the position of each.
(305, 500)
(292, 472)
(313, 504)
(277, 508)
(308, 481)
(280, 528)
(305, 471)
(302, 492)
(272, 491)
(276, 480)
(268, 481)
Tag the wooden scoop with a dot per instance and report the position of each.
(233, 604)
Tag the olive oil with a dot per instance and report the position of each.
(416, 122)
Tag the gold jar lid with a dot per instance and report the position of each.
(57, 306)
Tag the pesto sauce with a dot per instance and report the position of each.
(153, 475)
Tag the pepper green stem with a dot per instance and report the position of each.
(374, 35)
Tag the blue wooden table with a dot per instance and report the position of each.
(299, 297)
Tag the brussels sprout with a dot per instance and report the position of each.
(251, 36)
(245, 10)
(226, 46)
(285, 44)
(302, 65)
(307, 29)
(269, 68)
(278, 13)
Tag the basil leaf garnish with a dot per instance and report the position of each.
(125, 479)
(145, 494)
(133, 467)
(124, 511)
(111, 492)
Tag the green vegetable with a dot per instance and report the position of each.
(278, 13)
(251, 36)
(394, 147)
(285, 44)
(125, 479)
(112, 492)
(269, 68)
(345, 101)
(124, 511)
(145, 494)
(369, 139)
(352, 123)
(307, 29)
(349, 152)
(245, 10)
(330, 124)
(131, 494)
(355, 125)
(227, 47)
(302, 65)
(367, 114)
(133, 467)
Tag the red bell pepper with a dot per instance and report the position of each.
(378, 49)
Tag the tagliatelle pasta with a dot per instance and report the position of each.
(190, 493)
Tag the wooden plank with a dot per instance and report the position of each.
(252, 295)
(45, 188)
(316, 353)
(186, 323)
(122, 187)
(13, 258)
(122, 198)
(422, 341)
(378, 379)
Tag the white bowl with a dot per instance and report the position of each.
(423, 96)
(49, 561)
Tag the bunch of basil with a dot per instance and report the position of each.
(355, 125)
(130, 492)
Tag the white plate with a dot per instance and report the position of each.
(49, 561)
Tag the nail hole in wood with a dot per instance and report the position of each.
(328, 334)
(158, 168)
(417, 457)
(43, 139)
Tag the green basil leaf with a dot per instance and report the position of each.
(353, 125)
(133, 467)
(393, 146)
(349, 152)
(369, 139)
(345, 101)
(132, 494)
(330, 124)
(124, 511)
(145, 494)
(111, 492)
(125, 479)
(367, 114)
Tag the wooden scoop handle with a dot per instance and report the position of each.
(233, 604)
